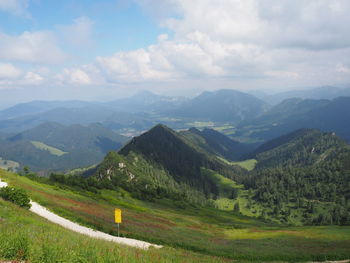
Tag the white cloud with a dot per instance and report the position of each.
(279, 42)
(32, 78)
(250, 39)
(32, 47)
(79, 33)
(284, 23)
(134, 66)
(15, 7)
(343, 69)
(12, 77)
(8, 71)
(75, 76)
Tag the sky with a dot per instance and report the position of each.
(106, 49)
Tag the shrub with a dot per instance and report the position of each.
(15, 195)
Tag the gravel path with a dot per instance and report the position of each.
(2, 184)
(43, 212)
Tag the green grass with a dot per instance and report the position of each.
(26, 236)
(224, 184)
(224, 201)
(246, 164)
(44, 147)
(80, 170)
(201, 124)
(207, 231)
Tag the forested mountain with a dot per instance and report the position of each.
(293, 114)
(162, 163)
(218, 144)
(305, 174)
(303, 147)
(167, 148)
(300, 178)
(53, 146)
(221, 106)
(286, 111)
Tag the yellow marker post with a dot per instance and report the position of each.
(118, 217)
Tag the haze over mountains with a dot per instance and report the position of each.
(325, 92)
(241, 116)
(221, 106)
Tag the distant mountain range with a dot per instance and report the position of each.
(34, 107)
(139, 112)
(146, 101)
(221, 106)
(319, 93)
(250, 118)
(83, 115)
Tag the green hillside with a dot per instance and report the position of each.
(300, 178)
(60, 245)
(181, 159)
(289, 207)
(207, 231)
(50, 149)
(248, 164)
(55, 147)
(303, 147)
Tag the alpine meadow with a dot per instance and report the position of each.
(174, 131)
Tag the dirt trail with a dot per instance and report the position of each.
(43, 212)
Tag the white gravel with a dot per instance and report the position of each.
(43, 212)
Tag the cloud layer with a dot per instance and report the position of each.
(279, 42)
(15, 7)
(287, 40)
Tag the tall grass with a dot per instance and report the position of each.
(27, 237)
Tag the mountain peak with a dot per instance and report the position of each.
(222, 105)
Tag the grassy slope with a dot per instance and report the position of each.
(224, 201)
(207, 231)
(52, 150)
(26, 236)
(246, 164)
